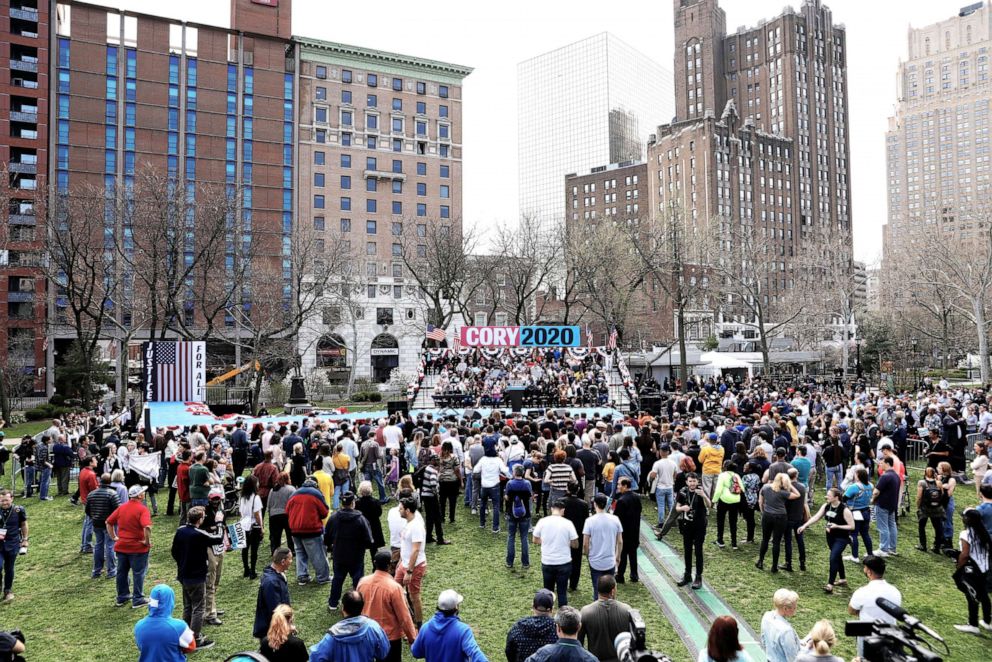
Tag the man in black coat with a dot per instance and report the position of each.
(576, 512)
(347, 535)
(627, 508)
(272, 590)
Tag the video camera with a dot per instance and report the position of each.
(899, 642)
(632, 645)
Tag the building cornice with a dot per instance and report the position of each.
(369, 56)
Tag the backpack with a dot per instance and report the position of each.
(519, 510)
(932, 499)
(735, 484)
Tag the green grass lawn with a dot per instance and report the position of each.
(923, 578)
(67, 616)
(15, 432)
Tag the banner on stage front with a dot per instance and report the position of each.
(519, 336)
(174, 371)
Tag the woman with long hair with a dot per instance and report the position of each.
(947, 482)
(278, 519)
(250, 509)
(840, 525)
(749, 504)
(281, 644)
(774, 517)
(449, 480)
(930, 508)
(723, 643)
(371, 508)
(821, 639)
(298, 466)
(858, 499)
(972, 571)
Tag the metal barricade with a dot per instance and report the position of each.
(916, 451)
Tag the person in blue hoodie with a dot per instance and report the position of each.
(355, 638)
(161, 638)
(445, 638)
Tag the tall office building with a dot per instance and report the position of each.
(380, 167)
(24, 77)
(760, 138)
(587, 104)
(937, 145)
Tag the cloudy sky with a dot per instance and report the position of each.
(493, 38)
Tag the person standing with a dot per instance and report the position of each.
(693, 506)
(778, 637)
(863, 602)
(214, 523)
(130, 527)
(774, 517)
(727, 497)
(445, 638)
(371, 508)
(281, 492)
(603, 620)
(99, 504)
(14, 534)
(711, 457)
(347, 535)
(159, 636)
(885, 496)
(199, 480)
(189, 551)
(43, 466)
(840, 525)
(239, 449)
(517, 506)
(306, 511)
(602, 542)
(413, 560)
(557, 536)
(429, 500)
(947, 483)
(568, 622)
(858, 499)
(87, 483)
(663, 474)
(489, 469)
(281, 643)
(250, 512)
(972, 571)
(385, 603)
(449, 480)
(577, 512)
(796, 512)
(627, 508)
(273, 590)
(532, 632)
(355, 637)
(62, 457)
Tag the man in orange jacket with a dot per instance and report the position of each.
(385, 603)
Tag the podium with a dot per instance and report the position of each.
(514, 395)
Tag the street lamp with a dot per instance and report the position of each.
(912, 344)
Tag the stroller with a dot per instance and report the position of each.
(231, 488)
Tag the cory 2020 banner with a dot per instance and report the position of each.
(519, 336)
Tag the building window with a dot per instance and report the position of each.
(421, 87)
(397, 104)
(345, 225)
(383, 315)
(370, 206)
(370, 163)
(397, 125)
(443, 151)
(421, 230)
(397, 250)
(421, 168)
(421, 108)
(397, 186)
(370, 142)
(397, 270)
(372, 101)
(371, 185)
(397, 207)
(321, 72)
(442, 111)
(318, 158)
(421, 210)
(346, 160)
(346, 204)
(370, 227)
(371, 291)
(421, 128)
(370, 248)
(346, 182)
(318, 179)
(320, 115)
(442, 91)
(372, 79)
(421, 189)
(320, 93)
(443, 131)
(345, 75)
(346, 118)
(397, 145)
(318, 222)
(445, 211)
(445, 191)
(398, 84)
(397, 230)
(318, 202)
(397, 167)
(321, 135)
(372, 122)
(346, 140)
(445, 170)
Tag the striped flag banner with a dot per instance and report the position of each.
(435, 333)
(175, 371)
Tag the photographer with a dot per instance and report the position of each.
(692, 504)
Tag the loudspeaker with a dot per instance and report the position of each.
(651, 404)
(398, 407)
(535, 413)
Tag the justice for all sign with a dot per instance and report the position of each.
(519, 336)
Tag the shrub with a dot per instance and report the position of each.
(42, 412)
(374, 396)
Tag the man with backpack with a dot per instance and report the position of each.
(518, 497)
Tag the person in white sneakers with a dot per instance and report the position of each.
(972, 570)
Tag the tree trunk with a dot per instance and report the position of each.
(257, 392)
(683, 368)
(978, 306)
(844, 354)
(5, 406)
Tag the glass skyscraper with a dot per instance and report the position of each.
(588, 104)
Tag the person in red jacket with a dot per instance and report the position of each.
(182, 483)
(306, 511)
(87, 483)
(266, 474)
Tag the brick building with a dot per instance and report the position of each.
(24, 125)
(760, 137)
(380, 166)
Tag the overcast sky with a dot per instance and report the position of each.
(493, 38)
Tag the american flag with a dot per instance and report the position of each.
(174, 363)
(589, 337)
(612, 343)
(434, 333)
(456, 341)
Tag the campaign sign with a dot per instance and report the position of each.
(519, 336)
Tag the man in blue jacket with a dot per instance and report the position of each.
(272, 591)
(445, 638)
(355, 638)
(161, 638)
(189, 550)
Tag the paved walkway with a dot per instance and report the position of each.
(690, 612)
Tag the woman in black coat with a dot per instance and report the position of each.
(370, 507)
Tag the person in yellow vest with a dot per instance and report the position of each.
(711, 459)
(325, 482)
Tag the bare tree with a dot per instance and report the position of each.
(524, 260)
(755, 284)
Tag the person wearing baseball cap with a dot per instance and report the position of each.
(347, 535)
(130, 527)
(531, 632)
(445, 638)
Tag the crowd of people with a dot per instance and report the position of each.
(549, 377)
(327, 494)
